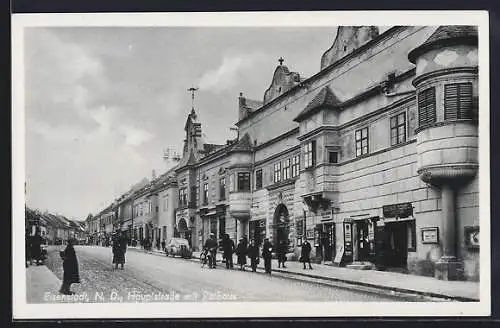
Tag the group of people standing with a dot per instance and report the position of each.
(244, 250)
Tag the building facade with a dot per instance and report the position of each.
(374, 159)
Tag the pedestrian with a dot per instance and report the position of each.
(27, 247)
(241, 252)
(305, 254)
(211, 246)
(282, 249)
(267, 249)
(36, 246)
(253, 254)
(163, 244)
(70, 266)
(228, 249)
(157, 243)
(119, 249)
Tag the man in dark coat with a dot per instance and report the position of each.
(36, 246)
(253, 254)
(228, 249)
(241, 252)
(163, 245)
(305, 254)
(70, 266)
(119, 249)
(282, 249)
(267, 250)
(211, 245)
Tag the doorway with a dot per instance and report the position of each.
(396, 244)
(281, 225)
(363, 245)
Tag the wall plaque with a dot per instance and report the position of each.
(310, 234)
(402, 210)
(430, 235)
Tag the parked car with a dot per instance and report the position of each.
(179, 247)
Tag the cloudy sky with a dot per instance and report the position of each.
(103, 103)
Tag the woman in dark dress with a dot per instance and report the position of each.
(119, 249)
(36, 246)
(241, 252)
(70, 266)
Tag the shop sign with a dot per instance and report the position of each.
(371, 231)
(316, 237)
(402, 210)
(430, 235)
(338, 256)
(310, 234)
(347, 232)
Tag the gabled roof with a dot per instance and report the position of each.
(446, 35)
(324, 99)
(242, 145)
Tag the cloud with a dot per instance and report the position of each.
(135, 137)
(225, 76)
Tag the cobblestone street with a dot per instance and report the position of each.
(155, 278)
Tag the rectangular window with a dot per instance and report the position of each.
(277, 172)
(183, 197)
(310, 154)
(205, 194)
(192, 197)
(243, 181)
(222, 188)
(295, 166)
(361, 142)
(258, 179)
(427, 106)
(286, 169)
(458, 101)
(398, 129)
(333, 157)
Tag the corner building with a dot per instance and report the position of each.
(374, 159)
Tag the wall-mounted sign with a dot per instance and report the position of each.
(310, 234)
(347, 232)
(471, 237)
(316, 237)
(430, 235)
(402, 210)
(371, 231)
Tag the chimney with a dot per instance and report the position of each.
(242, 112)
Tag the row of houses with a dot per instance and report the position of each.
(374, 159)
(55, 229)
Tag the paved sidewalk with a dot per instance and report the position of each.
(40, 281)
(405, 283)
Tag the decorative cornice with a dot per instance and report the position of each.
(447, 174)
(280, 154)
(240, 166)
(280, 184)
(445, 71)
(445, 123)
(318, 130)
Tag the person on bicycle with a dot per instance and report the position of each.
(211, 245)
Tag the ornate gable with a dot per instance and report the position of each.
(283, 80)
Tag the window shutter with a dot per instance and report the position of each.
(465, 100)
(458, 101)
(427, 106)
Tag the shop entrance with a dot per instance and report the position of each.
(396, 244)
(363, 245)
(281, 225)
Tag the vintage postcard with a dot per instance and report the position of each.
(251, 164)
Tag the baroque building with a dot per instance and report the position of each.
(373, 159)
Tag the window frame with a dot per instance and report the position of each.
(359, 141)
(277, 172)
(295, 165)
(330, 152)
(395, 139)
(243, 184)
(205, 193)
(258, 179)
(222, 188)
(309, 151)
(286, 169)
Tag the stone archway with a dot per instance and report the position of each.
(281, 225)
